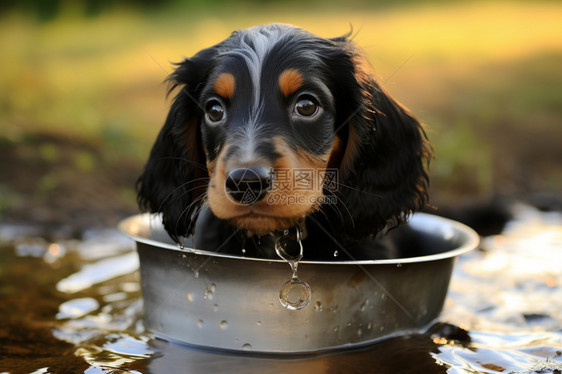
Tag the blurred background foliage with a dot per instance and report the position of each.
(82, 98)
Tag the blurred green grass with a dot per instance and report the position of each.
(485, 77)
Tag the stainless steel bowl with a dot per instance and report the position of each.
(231, 302)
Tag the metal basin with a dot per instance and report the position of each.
(231, 302)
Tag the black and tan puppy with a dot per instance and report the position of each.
(275, 128)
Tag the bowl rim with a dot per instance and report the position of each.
(469, 238)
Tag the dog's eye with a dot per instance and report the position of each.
(306, 106)
(215, 111)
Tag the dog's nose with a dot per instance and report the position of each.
(248, 185)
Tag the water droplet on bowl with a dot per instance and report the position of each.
(200, 323)
(247, 346)
(224, 325)
(295, 294)
(318, 306)
(209, 293)
(364, 305)
(189, 297)
(289, 248)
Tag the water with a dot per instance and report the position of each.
(294, 294)
(74, 306)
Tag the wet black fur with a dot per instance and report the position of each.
(382, 185)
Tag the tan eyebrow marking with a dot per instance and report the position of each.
(224, 85)
(290, 81)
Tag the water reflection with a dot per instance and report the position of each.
(512, 353)
(79, 300)
(518, 278)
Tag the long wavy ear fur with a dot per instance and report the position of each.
(174, 181)
(383, 176)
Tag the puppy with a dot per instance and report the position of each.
(274, 129)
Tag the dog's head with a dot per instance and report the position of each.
(274, 124)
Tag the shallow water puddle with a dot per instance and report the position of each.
(75, 306)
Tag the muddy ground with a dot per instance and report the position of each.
(64, 185)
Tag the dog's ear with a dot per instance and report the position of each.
(383, 176)
(175, 177)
